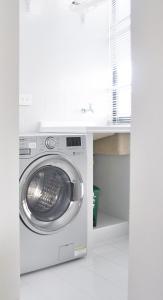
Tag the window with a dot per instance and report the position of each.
(120, 60)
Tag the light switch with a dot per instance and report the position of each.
(25, 99)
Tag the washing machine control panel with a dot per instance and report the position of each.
(30, 146)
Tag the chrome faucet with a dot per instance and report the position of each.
(75, 3)
(85, 110)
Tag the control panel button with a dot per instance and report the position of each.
(50, 142)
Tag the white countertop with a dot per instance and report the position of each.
(103, 131)
(97, 130)
(109, 128)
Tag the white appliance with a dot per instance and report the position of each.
(53, 214)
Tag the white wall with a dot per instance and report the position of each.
(146, 215)
(9, 216)
(64, 62)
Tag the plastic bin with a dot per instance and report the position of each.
(96, 193)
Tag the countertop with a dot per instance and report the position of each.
(98, 131)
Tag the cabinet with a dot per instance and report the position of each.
(111, 173)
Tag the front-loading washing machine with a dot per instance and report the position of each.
(53, 202)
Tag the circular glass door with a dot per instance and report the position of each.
(51, 193)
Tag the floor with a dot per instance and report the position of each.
(103, 275)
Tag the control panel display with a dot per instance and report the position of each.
(73, 141)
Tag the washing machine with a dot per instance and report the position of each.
(53, 202)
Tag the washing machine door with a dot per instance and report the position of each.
(51, 194)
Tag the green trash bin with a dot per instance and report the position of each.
(96, 193)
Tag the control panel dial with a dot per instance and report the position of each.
(50, 142)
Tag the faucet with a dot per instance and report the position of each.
(90, 108)
(75, 3)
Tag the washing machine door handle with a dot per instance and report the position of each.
(72, 192)
(73, 197)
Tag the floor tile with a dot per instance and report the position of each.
(110, 271)
(47, 285)
(122, 244)
(113, 254)
(103, 275)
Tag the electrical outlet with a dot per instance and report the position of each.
(25, 99)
